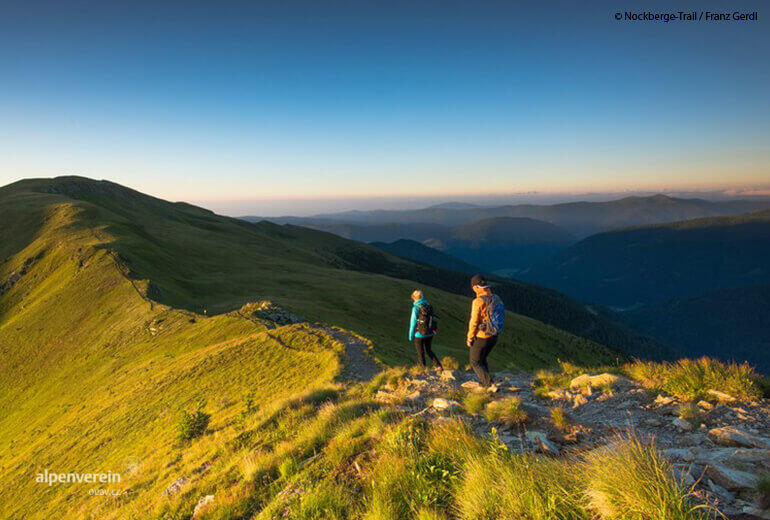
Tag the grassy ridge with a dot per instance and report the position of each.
(95, 376)
(200, 261)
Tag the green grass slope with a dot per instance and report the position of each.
(417, 252)
(104, 340)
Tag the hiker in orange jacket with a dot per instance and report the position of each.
(487, 314)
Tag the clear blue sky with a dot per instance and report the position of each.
(217, 101)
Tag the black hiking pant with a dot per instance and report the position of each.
(423, 346)
(480, 349)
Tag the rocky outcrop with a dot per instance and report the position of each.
(267, 310)
(731, 436)
(202, 506)
(721, 449)
(7, 284)
(599, 381)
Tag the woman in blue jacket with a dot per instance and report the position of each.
(422, 327)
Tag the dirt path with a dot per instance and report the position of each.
(359, 365)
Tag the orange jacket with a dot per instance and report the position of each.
(477, 315)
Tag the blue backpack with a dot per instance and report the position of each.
(494, 315)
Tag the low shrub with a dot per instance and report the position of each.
(192, 425)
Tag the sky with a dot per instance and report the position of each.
(286, 107)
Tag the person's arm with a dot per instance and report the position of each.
(413, 322)
(473, 324)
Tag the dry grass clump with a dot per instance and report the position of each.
(631, 479)
(390, 378)
(505, 486)
(474, 402)
(507, 411)
(450, 363)
(690, 413)
(692, 378)
(546, 381)
(559, 418)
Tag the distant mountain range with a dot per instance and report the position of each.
(511, 238)
(655, 263)
(578, 218)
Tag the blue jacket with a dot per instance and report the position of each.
(413, 322)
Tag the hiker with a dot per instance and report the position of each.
(487, 318)
(422, 327)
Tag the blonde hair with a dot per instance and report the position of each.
(417, 295)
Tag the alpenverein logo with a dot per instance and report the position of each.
(51, 478)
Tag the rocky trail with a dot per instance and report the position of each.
(359, 365)
(721, 451)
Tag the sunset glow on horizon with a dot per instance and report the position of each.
(301, 102)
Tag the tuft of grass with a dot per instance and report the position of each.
(450, 363)
(507, 411)
(323, 502)
(417, 370)
(390, 378)
(570, 369)
(455, 440)
(691, 379)
(430, 514)
(607, 388)
(507, 486)
(631, 479)
(559, 418)
(252, 464)
(474, 402)
(690, 413)
(546, 381)
(407, 438)
(455, 394)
